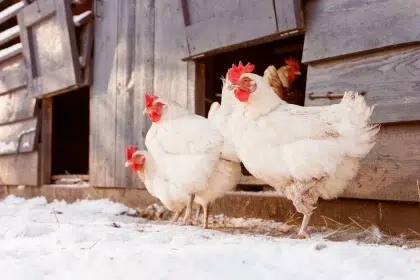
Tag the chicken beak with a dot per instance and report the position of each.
(146, 111)
(231, 87)
(298, 73)
(127, 163)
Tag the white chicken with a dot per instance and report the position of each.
(172, 196)
(187, 148)
(303, 152)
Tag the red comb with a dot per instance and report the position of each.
(236, 71)
(131, 149)
(149, 98)
(292, 62)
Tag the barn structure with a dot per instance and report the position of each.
(73, 74)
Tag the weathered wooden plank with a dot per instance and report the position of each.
(21, 169)
(10, 12)
(45, 151)
(170, 78)
(340, 27)
(390, 78)
(391, 170)
(221, 23)
(86, 44)
(103, 96)
(124, 104)
(143, 72)
(191, 82)
(16, 105)
(9, 34)
(49, 71)
(11, 51)
(289, 15)
(18, 136)
(12, 74)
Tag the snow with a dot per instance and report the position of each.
(92, 240)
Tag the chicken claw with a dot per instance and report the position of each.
(187, 216)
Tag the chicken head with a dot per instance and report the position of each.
(243, 85)
(134, 159)
(153, 107)
(292, 69)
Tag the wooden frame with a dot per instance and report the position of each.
(41, 80)
(46, 142)
(208, 28)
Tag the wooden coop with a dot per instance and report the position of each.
(73, 74)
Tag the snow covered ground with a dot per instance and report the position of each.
(89, 240)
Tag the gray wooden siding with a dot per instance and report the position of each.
(18, 124)
(390, 79)
(135, 51)
(341, 27)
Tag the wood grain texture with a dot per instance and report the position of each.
(124, 81)
(10, 52)
(220, 23)
(10, 12)
(45, 151)
(170, 73)
(390, 78)
(191, 88)
(53, 64)
(16, 105)
(19, 169)
(18, 137)
(391, 170)
(103, 96)
(143, 74)
(289, 15)
(12, 74)
(341, 27)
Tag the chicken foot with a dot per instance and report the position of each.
(197, 215)
(175, 217)
(304, 203)
(206, 216)
(187, 216)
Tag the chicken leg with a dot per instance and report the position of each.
(176, 216)
(187, 216)
(304, 203)
(206, 216)
(197, 215)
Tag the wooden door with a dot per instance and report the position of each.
(216, 24)
(49, 47)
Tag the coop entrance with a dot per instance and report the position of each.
(262, 56)
(70, 137)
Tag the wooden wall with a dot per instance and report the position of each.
(18, 119)
(372, 46)
(138, 47)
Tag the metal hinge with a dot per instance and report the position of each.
(330, 95)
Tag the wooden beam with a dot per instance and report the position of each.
(11, 11)
(103, 96)
(45, 148)
(11, 51)
(9, 34)
(21, 169)
(86, 44)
